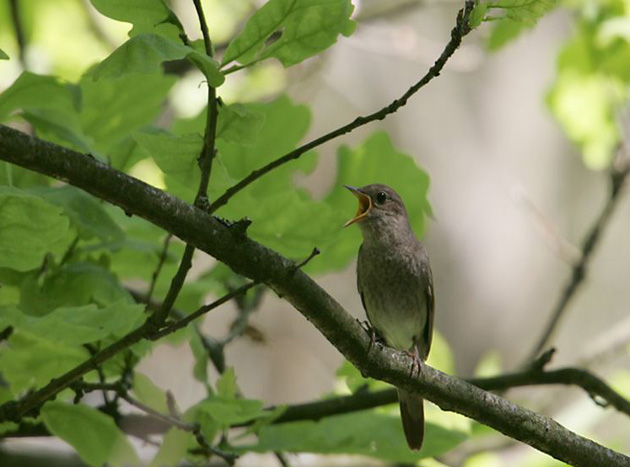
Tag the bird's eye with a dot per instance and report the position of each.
(381, 197)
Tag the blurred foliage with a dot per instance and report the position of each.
(592, 80)
(591, 84)
(95, 83)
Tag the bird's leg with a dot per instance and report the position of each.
(375, 338)
(416, 364)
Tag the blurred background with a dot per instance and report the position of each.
(512, 200)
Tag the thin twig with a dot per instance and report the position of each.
(618, 178)
(201, 199)
(182, 323)
(99, 370)
(182, 425)
(610, 342)
(6, 333)
(158, 268)
(567, 252)
(177, 282)
(303, 263)
(70, 251)
(208, 150)
(460, 30)
(20, 37)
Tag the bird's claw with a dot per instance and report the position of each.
(416, 361)
(375, 338)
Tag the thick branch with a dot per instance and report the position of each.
(257, 262)
(457, 34)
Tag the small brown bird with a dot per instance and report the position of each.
(396, 287)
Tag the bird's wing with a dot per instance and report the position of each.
(430, 302)
(359, 280)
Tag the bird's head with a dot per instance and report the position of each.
(380, 208)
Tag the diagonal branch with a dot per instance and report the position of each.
(253, 260)
(460, 30)
(618, 177)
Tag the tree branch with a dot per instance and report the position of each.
(363, 400)
(158, 268)
(253, 260)
(183, 322)
(460, 30)
(618, 176)
(20, 38)
(201, 199)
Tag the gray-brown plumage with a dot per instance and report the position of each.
(396, 287)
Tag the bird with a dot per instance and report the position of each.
(396, 287)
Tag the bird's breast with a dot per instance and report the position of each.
(393, 286)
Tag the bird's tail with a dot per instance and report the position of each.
(412, 414)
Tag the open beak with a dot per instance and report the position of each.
(365, 205)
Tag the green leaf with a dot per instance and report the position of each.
(3, 55)
(145, 52)
(76, 325)
(374, 161)
(226, 384)
(31, 91)
(15, 176)
(239, 123)
(29, 228)
(586, 105)
(114, 109)
(85, 212)
(208, 66)
(367, 433)
(478, 14)
(31, 361)
(75, 284)
(200, 370)
(138, 11)
(147, 392)
(177, 157)
(305, 28)
(229, 411)
(589, 90)
(441, 355)
(489, 365)
(289, 220)
(49, 105)
(145, 15)
(517, 16)
(8, 427)
(94, 435)
(174, 448)
(355, 381)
